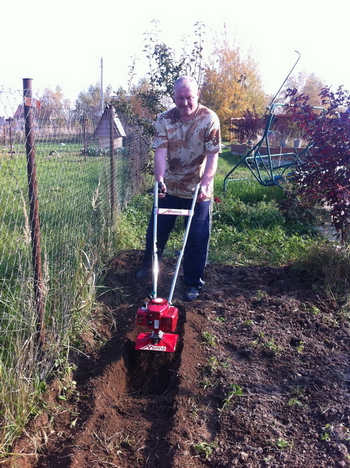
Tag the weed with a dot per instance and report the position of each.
(236, 390)
(345, 311)
(204, 449)
(294, 402)
(330, 263)
(207, 382)
(208, 338)
(270, 344)
(261, 295)
(326, 433)
(282, 444)
(262, 342)
(213, 364)
(127, 443)
(225, 363)
(221, 319)
(313, 310)
(108, 444)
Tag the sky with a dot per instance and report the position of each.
(62, 43)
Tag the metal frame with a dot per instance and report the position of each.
(270, 169)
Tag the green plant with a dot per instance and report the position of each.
(270, 344)
(236, 390)
(208, 338)
(213, 364)
(127, 443)
(294, 402)
(94, 151)
(261, 295)
(326, 433)
(221, 319)
(313, 310)
(208, 382)
(204, 449)
(282, 444)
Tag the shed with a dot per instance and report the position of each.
(104, 127)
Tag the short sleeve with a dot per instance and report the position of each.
(160, 139)
(213, 135)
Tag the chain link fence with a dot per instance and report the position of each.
(63, 182)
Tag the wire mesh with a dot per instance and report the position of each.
(73, 183)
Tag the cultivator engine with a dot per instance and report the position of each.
(160, 317)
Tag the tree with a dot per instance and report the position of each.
(231, 84)
(130, 106)
(54, 109)
(165, 68)
(88, 103)
(141, 104)
(325, 175)
(308, 84)
(135, 100)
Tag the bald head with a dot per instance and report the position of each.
(186, 82)
(186, 96)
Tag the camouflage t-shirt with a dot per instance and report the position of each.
(187, 144)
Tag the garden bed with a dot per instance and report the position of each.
(261, 378)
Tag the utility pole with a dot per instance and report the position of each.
(101, 85)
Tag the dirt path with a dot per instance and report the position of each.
(260, 378)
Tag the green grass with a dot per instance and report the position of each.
(248, 227)
(67, 185)
(73, 193)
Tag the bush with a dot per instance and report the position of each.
(93, 151)
(324, 176)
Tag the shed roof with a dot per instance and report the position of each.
(103, 128)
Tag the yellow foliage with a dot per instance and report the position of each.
(232, 85)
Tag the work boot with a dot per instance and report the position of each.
(192, 293)
(143, 273)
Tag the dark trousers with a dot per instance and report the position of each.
(196, 249)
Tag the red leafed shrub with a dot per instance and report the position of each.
(248, 127)
(325, 176)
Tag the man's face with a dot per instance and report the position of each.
(186, 100)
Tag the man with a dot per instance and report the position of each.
(187, 143)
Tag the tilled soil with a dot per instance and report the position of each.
(260, 378)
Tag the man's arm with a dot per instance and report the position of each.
(208, 175)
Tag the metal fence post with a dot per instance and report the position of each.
(84, 137)
(34, 207)
(10, 120)
(112, 167)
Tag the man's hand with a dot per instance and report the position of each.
(161, 189)
(208, 176)
(203, 193)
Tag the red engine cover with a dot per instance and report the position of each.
(158, 314)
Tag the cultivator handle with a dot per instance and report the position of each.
(188, 226)
(158, 314)
(175, 212)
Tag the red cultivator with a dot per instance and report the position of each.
(158, 314)
(161, 318)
